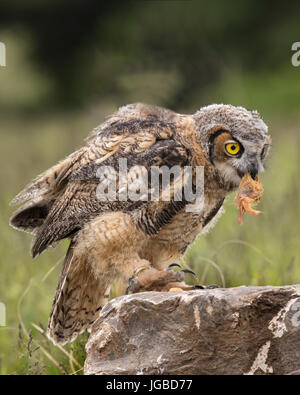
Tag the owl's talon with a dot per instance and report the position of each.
(133, 285)
(188, 271)
(212, 286)
(198, 287)
(169, 268)
(173, 265)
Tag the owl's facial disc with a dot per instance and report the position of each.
(234, 158)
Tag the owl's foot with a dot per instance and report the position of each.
(151, 279)
(198, 286)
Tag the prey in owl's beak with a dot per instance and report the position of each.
(249, 193)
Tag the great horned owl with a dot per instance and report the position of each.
(110, 240)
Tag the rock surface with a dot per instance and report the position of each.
(244, 330)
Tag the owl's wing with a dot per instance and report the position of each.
(39, 196)
(45, 185)
(141, 142)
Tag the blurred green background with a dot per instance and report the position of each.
(70, 64)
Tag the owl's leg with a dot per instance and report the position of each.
(151, 279)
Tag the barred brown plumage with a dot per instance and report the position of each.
(111, 239)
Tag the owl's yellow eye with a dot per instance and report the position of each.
(232, 148)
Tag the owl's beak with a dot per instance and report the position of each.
(253, 170)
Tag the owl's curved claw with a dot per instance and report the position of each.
(212, 286)
(133, 282)
(170, 267)
(173, 265)
(189, 272)
(133, 285)
(198, 287)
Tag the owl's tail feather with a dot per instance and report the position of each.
(41, 186)
(78, 301)
(39, 196)
(49, 182)
(31, 217)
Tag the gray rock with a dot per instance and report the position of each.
(244, 330)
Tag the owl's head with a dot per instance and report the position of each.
(235, 140)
